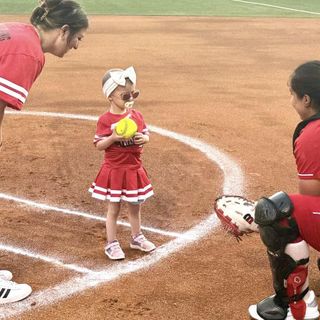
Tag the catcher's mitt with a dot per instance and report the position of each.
(236, 214)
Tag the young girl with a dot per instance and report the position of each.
(56, 27)
(290, 223)
(122, 176)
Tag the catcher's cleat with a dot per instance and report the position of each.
(13, 292)
(268, 309)
(236, 214)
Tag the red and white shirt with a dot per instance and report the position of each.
(21, 62)
(307, 151)
(120, 154)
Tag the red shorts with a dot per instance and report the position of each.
(307, 214)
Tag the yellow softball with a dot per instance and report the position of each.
(126, 128)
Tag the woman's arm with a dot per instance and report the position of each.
(309, 187)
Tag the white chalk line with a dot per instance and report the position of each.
(233, 184)
(33, 255)
(277, 7)
(53, 115)
(93, 280)
(71, 212)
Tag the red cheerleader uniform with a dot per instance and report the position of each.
(21, 61)
(307, 208)
(122, 176)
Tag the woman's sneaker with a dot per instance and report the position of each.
(5, 275)
(311, 313)
(140, 242)
(12, 292)
(114, 251)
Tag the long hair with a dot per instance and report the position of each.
(53, 14)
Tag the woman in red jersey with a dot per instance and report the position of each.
(57, 26)
(288, 224)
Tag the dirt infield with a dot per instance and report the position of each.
(222, 81)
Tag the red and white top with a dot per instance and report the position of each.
(120, 154)
(121, 176)
(21, 62)
(307, 151)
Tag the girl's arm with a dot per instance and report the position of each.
(108, 141)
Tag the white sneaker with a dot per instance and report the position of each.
(12, 292)
(140, 242)
(5, 275)
(312, 312)
(114, 251)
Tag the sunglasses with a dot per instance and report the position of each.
(125, 96)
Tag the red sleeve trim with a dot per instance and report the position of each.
(13, 94)
(308, 176)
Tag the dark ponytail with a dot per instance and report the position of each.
(305, 80)
(53, 14)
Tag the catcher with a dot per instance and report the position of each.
(288, 224)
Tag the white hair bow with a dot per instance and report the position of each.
(118, 78)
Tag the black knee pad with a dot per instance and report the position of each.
(276, 207)
(277, 226)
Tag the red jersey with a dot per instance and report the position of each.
(307, 208)
(307, 151)
(21, 61)
(125, 153)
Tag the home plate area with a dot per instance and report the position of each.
(69, 272)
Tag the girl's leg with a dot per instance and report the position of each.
(111, 222)
(113, 249)
(138, 240)
(135, 218)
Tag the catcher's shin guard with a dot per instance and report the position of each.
(288, 260)
(297, 282)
